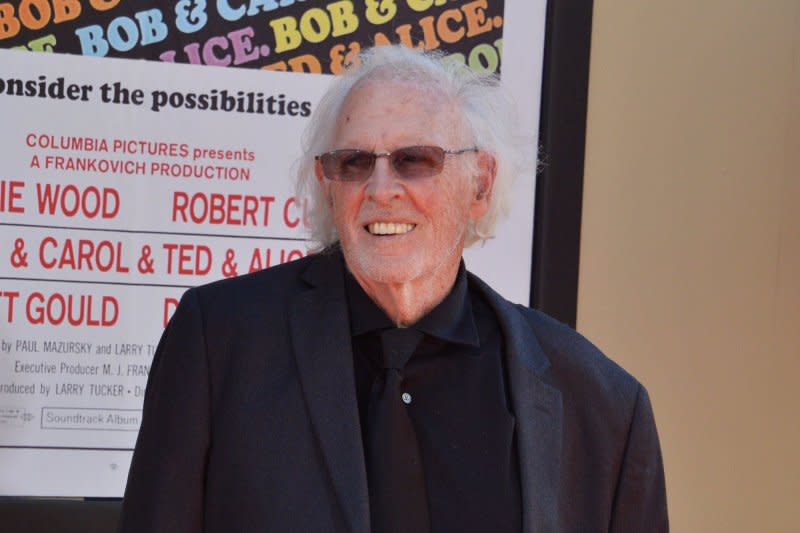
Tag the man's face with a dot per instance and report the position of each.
(426, 217)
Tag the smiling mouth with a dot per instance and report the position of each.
(389, 228)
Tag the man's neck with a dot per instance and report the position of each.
(405, 303)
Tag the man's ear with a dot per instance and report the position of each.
(325, 184)
(484, 182)
(318, 171)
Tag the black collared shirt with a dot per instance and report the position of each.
(459, 406)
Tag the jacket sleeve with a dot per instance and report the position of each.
(166, 479)
(640, 502)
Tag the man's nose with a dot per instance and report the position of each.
(384, 184)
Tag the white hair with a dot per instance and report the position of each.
(485, 105)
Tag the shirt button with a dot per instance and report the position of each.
(406, 397)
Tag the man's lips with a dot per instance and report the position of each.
(389, 228)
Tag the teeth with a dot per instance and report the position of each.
(389, 228)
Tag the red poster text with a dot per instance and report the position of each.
(59, 308)
(10, 193)
(188, 259)
(170, 304)
(227, 209)
(70, 200)
(82, 254)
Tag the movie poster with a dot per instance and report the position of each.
(123, 183)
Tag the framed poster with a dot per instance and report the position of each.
(124, 182)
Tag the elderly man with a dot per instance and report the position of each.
(377, 385)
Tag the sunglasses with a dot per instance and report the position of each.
(410, 162)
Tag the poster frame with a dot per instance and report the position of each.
(555, 246)
(562, 141)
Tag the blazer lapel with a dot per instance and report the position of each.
(538, 412)
(322, 345)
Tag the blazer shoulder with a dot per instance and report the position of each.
(576, 363)
(273, 282)
(563, 357)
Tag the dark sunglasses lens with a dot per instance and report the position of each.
(347, 165)
(418, 161)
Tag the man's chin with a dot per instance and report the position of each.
(371, 268)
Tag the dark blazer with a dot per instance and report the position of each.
(250, 420)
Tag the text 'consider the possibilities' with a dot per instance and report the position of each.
(115, 93)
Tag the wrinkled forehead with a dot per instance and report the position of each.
(418, 110)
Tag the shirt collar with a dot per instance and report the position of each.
(451, 320)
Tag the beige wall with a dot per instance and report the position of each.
(690, 254)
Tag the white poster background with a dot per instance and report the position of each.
(72, 435)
